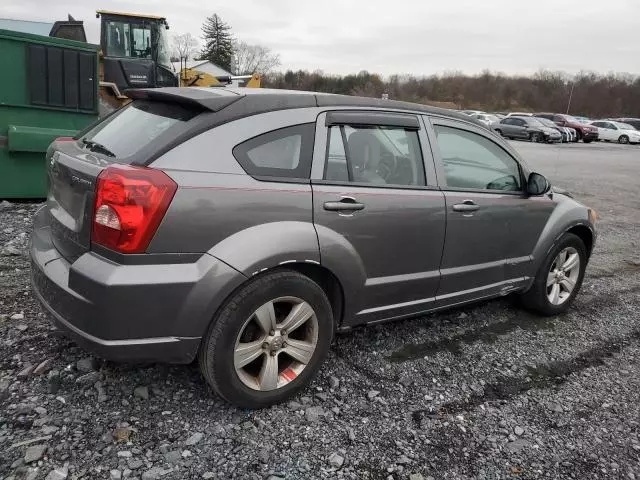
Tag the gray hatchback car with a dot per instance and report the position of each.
(246, 227)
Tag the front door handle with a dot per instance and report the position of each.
(346, 204)
(466, 206)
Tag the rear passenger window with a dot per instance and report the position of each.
(286, 152)
(378, 155)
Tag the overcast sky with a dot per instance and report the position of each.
(401, 36)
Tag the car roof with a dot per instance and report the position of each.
(260, 100)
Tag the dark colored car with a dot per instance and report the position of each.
(564, 131)
(586, 133)
(526, 128)
(245, 227)
(635, 122)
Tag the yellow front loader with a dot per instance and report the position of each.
(191, 77)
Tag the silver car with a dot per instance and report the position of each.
(245, 228)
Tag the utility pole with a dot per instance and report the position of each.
(573, 84)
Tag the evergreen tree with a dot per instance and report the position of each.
(218, 42)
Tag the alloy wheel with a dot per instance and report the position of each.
(563, 276)
(276, 343)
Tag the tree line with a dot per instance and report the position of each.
(222, 48)
(592, 94)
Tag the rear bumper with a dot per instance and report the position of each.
(155, 312)
(589, 135)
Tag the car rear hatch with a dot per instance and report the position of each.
(128, 137)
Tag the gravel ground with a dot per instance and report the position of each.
(487, 392)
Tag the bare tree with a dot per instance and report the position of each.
(184, 46)
(250, 59)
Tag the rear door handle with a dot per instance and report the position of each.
(466, 206)
(346, 204)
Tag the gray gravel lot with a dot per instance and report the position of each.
(488, 391)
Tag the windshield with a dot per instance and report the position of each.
(136, 126)
(535, 122)
(546, 122)
(569, 118)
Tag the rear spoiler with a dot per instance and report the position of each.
(191, 97)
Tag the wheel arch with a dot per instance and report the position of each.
(585, 234)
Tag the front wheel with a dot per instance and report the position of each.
(587, 140)
(535, 137)
(559, 278)
(498, 131)
(623, 139)
(268, 340)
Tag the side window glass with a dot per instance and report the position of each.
(285, 152)
(378, 155)
(473, 161)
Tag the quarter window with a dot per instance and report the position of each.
(378, 155)
(472, 161)
(285, 152)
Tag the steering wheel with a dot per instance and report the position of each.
(387, 165)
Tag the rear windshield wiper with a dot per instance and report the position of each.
(98, 147)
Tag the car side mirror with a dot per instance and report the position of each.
(537, 184)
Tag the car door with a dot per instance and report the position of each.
(612, 132)
(520, 128)
(603, 131)
(483, 184)
(378, 212)
(507, 127)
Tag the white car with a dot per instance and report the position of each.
(611, 131)
(471, 112)
(485, 118)
(519, 114)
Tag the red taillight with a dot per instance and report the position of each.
(130, 204)
(64, 139)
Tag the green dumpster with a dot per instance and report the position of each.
(48, 89)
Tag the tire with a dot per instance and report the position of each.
(587, 141)
(537, 297)
(238, 314)
(578, 136)
(623, 139)
(498, 131)
(534, 137)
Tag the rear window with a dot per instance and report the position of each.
(139, 124)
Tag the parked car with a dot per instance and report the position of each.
(246, 227)
(486, 118)
(612, 131)
(471, 112)
(586, 133)
(635, 122)
(568, 134)
(520, 114)
(526, 128)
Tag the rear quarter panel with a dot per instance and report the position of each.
(218, 209)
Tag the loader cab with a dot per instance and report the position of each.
(135, 50)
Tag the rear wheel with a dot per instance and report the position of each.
(587, 140)
(268, 340)
(623, 139)
(559, 278)
(498, 131)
